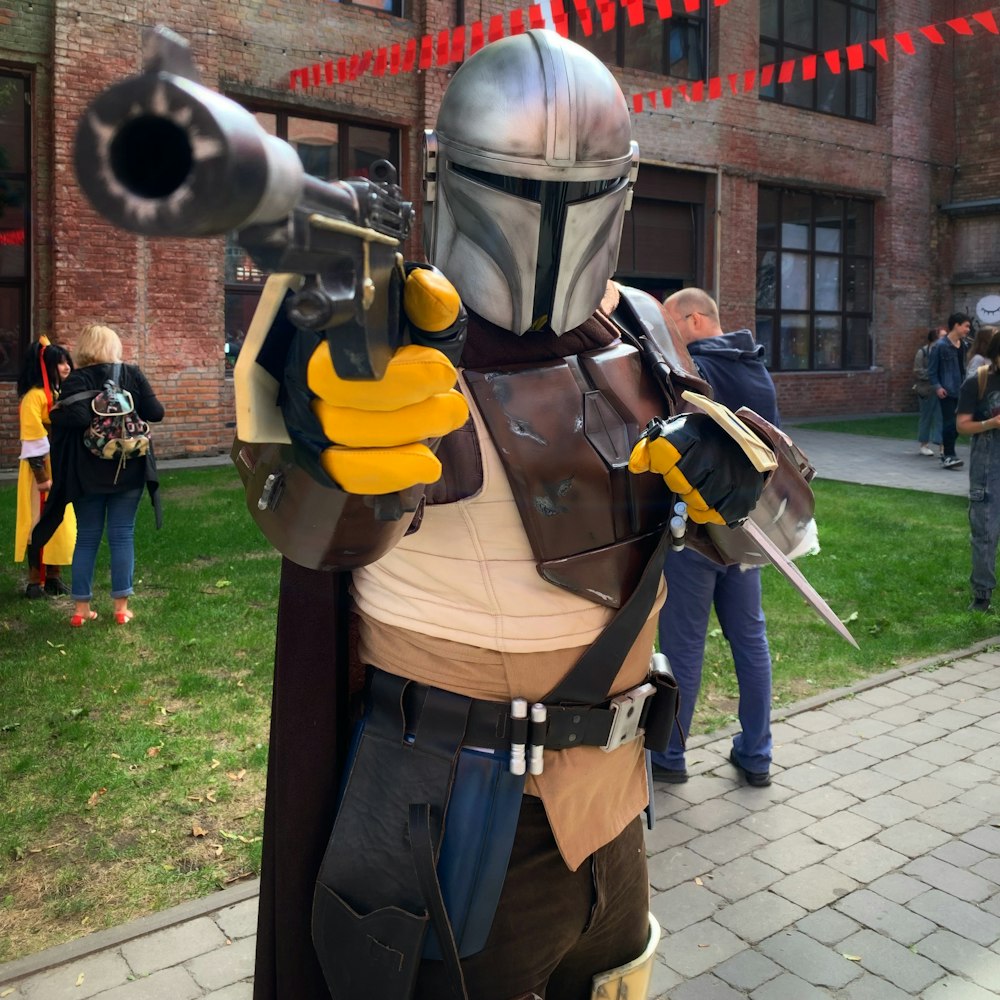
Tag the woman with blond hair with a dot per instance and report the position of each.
(104, 493)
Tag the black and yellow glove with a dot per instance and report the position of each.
(702, 464)
(367, 436)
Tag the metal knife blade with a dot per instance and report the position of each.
(793, 574)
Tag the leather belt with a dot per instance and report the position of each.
(492, 726)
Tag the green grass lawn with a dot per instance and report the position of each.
(132, 759)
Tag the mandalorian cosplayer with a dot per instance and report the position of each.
(477, 831)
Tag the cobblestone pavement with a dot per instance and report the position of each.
(874, 461)
(869, 870)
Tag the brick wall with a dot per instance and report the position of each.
(932, 143)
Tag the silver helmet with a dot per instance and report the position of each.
(527, 180)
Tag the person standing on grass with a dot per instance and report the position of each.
(102, 491)
(929, 425)
(45, 368)
(979, 418)
(732, 364)
(946, 370)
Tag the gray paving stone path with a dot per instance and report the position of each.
(868, 870)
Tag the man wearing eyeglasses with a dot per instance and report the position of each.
(732, 364)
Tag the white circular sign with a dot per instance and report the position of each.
(988, 309)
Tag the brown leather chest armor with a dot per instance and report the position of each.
(564, 430)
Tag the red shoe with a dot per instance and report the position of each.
(79, 620)
(124, 617)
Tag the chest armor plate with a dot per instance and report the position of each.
(564, 430)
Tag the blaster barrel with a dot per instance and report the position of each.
(162, 155)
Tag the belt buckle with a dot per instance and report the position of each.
(627, 715)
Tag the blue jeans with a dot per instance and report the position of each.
(949, 432)
(694, 583)
(119, 509)
(984, 511)
(929, 426)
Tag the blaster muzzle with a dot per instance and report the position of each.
(162, 155)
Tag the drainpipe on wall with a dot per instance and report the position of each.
(717, 242)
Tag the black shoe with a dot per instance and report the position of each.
(981, 604)
(758, 779)
(672, 776)
(951, 462)
(34, 591)
(55, 587)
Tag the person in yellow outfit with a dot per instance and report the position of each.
(38, 388)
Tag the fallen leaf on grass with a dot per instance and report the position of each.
(153, 751)
(197, 830)
(116, 756)
(239, 837)
(210, 795)
(54, 645)
(222, 583)
(95, 797)
(47, 847)
(217, 849)
(236, 775)
(214, 764)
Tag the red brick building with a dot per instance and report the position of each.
(838, 214)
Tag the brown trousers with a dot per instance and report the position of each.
(555, 929)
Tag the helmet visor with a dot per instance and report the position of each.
(556, 200)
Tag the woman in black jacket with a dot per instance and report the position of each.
(102, 491)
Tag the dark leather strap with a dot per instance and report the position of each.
(592, 675)
(422, 848)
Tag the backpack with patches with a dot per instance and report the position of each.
(116, 430)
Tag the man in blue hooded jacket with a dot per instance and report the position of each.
(946, 371)
(732, 364)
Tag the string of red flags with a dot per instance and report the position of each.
(452, 45)
(836, 61)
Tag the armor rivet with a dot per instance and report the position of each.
(572, 737)
(576, 720)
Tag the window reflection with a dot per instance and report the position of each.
(674, 46)
(792, 29)
(14, 227)
(328, 150)
(815, 287)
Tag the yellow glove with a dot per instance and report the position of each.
(700, 464)
(379, 426)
